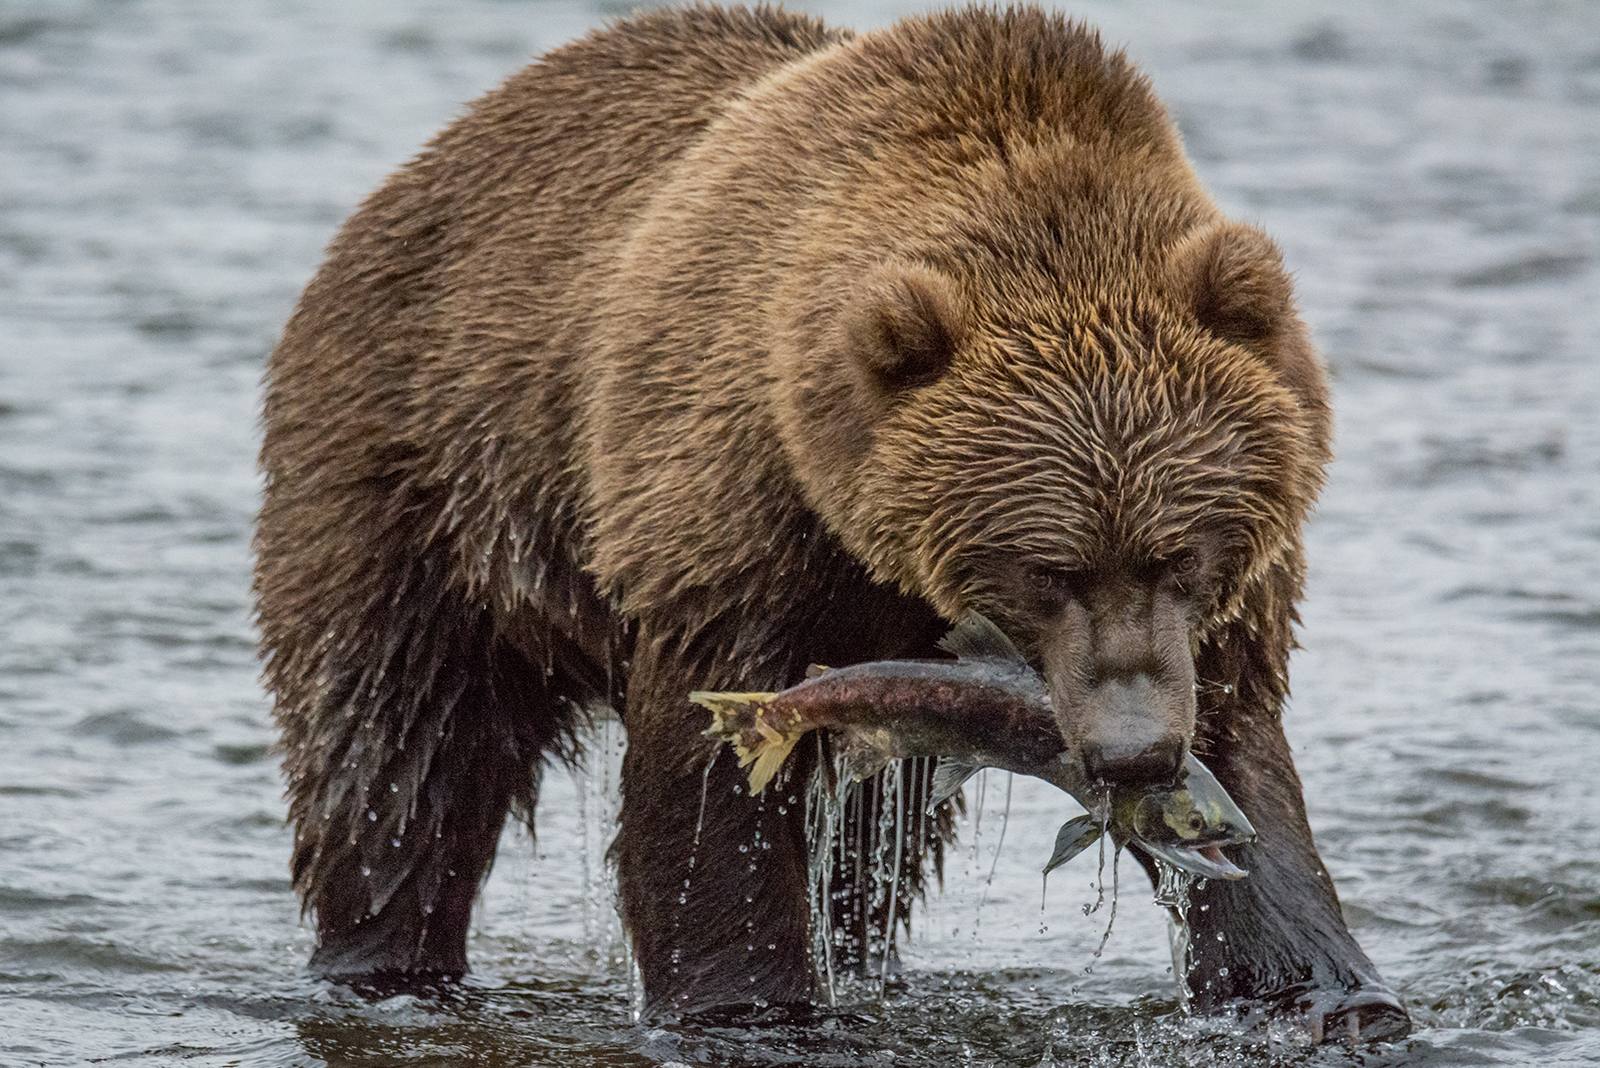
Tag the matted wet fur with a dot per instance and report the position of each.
(719, 343)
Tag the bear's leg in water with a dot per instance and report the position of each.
(713, 882)
(400, 799)
(1277, 939)
(1275, 942)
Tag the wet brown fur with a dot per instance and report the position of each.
(719, 343)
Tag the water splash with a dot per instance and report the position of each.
(1104, 811)
(598, 781)
(884, 870)
(862, 837)
(705, 787)
(1005, 820)
(1111, 917)
(824, 819)
(894, 883)
(1172, 894)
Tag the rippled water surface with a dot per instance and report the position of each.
(169, 173)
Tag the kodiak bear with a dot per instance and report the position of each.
(719, 343)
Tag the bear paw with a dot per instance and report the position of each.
(1365, 1014)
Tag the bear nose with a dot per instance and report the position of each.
(1129, 742)
(1122, 765)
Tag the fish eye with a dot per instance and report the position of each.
(1197, 822)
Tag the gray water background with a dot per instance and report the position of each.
(169, 173)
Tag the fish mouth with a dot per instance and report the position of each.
(1205, 860)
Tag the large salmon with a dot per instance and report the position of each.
(987, 708)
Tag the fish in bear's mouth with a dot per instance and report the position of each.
(988, 708)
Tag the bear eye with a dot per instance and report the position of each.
(1052, 582)
(1184, 563)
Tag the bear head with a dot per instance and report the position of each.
(1092, 415)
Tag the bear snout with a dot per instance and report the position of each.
(1122, 686)
(1133, 731)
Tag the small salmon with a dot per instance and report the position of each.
(986, 709)
(1185, 824)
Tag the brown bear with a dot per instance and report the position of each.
(720, 343)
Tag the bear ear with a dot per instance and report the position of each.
(903, 327)
(1232, 278)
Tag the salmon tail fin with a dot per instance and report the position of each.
(767, 756)
(738, 718)
(974, 637)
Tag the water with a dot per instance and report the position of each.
(1172, 894)
(169, 173)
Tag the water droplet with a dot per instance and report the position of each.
(743, 848)
(372, 816)
(366, 872)
(395, 842)
(1223, 972)
(394, 788)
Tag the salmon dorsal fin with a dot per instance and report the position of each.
(975, 638)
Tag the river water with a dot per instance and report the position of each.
(169, 172)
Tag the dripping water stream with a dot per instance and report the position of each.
(1172, 894)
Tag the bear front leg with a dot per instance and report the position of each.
(400, 781)
(390, 920)
(1277, 941)
(713, 882)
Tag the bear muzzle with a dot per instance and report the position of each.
(1129, 735)
(1122, 689)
